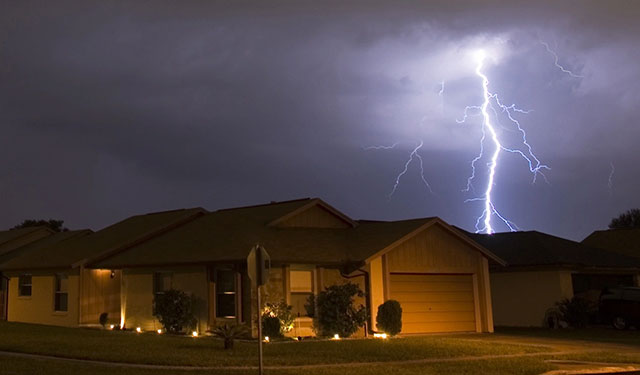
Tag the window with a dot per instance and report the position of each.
(301, 288)
(225, 293)
(24, 286)
(161, 282)
(62, 289)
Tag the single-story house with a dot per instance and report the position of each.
(10, 240)
(624, 241)
(49, 285)
(543, 269)
(439, 275)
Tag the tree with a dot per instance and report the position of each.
(629, 219)
(334, 310)
(54, 225)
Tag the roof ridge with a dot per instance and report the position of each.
(265, 204)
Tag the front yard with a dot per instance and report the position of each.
(507, 352)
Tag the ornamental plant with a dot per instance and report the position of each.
(334, 310)
(282, 311)
(174, 310)
(389, 317)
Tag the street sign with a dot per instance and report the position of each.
(258, 265)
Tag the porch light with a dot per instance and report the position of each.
(194, 333)
(336, 337)
(266, 339)
(138, 329)
(380, 335)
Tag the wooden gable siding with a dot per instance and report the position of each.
(314, 217)
(435, 250)
(100, 293)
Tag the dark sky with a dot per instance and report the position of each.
(110, 109)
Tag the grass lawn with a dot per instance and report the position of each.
(598, 334)
(150, 348)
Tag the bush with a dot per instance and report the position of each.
(575, 311)
(174, 310)
(271, 326)
(283, 313)
(334, 312)
(389, 317)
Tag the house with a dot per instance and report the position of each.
(439, 275)
(624, 241)
(48, 283)
(543, 269)
(10, 240)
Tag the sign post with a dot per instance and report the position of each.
(258, 265)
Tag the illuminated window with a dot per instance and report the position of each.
(301, 282)
(62, 289)
(24, 286)
(225, 293)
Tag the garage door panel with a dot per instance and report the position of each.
(434, 303)
(433, 316)
(433, 296)
(433, 327)
(425, 286)
(438, 306)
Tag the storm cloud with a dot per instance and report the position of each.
(109, 109)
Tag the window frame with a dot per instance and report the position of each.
(234, 293)
(57, 283)
(301, 311)
(21, 285)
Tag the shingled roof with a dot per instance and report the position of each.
(41, 253)
(228, 235)
(76, 250)
(624, 241)
(12, 239)
(532, 248)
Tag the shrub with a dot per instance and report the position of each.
(334, 312)
(229, 333)
(575, 311)
(389, 317)
(104, 318)
(174, 310)
(282, 311)
(271, 326)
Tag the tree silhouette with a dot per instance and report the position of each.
(629, 219)
(54, 225)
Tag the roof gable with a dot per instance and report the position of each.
(315, 214)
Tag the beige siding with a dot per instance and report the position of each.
(315, 217)
(39, 307)
(438, 251)
(137, 295)
(376, 288)
(100, 293)
(522, 298)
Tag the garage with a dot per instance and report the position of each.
(434, 302)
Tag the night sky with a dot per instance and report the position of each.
(110, 109)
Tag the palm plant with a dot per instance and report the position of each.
(230, 332)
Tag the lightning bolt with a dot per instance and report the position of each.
(413, 155)
(557, 64)
(492, 103)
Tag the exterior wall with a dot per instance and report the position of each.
(100, 293)
(315, 217)
(437, 251)
(38, 308)
(137, 295)
(522, 298)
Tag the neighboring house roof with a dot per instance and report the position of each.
(13, 238)
(228, 235)
(532, 248)
(624, 241)
(41, 252)
(107, 241)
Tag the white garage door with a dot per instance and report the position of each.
(434, 303)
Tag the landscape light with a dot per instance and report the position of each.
(380, 335)
(111, 327)
(336, 337)
(266, 339)
(138, 329)
(194, 333)
(159, 331)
